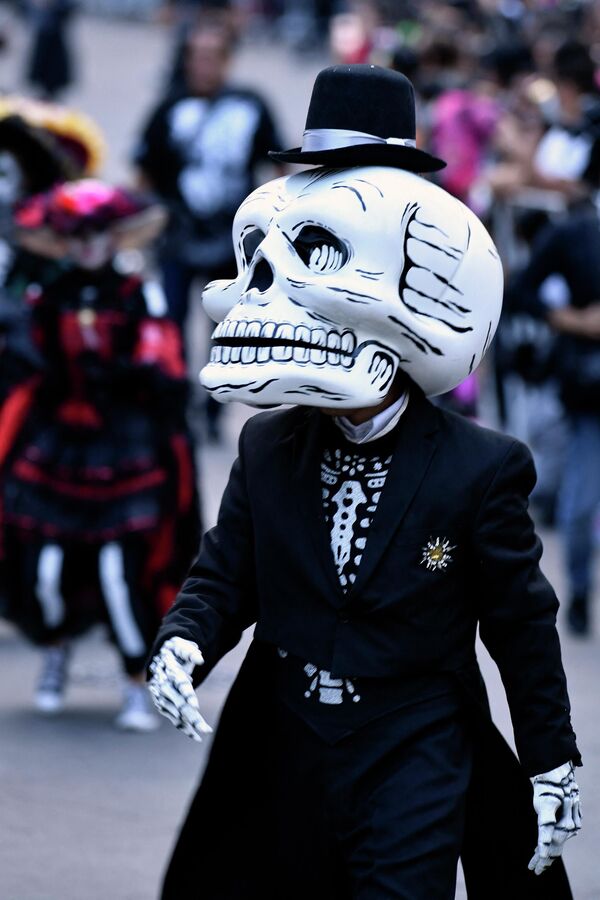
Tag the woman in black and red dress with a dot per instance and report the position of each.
(99, 502)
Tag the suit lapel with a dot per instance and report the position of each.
(415, 446)
(306, 481)
(416, 443)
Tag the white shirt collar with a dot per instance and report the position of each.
(381, 423)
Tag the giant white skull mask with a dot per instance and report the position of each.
(344, 277)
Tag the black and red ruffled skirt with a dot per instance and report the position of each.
(90, 484)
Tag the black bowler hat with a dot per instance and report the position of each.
(361, 116)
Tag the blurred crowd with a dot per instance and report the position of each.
(508, 93)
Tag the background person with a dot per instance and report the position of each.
(570, 249)
(98, 495)
(50, 69)
(199, 151)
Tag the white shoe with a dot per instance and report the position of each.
(136, 713)
(49, 697)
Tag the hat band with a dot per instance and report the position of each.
(317, 139)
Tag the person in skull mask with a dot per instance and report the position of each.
(366, 533)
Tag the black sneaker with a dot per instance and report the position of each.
(49, 695)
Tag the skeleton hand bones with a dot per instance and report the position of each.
(172, 689)
(556, 802)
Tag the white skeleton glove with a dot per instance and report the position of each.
(556, 802)
(172, 689)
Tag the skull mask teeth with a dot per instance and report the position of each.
(343, 278)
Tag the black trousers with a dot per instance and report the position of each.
(56, 590)
(282, 814)
(379, 815)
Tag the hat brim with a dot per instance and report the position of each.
(42, 242)
(128, 233)
(141, 228)
(410, 158)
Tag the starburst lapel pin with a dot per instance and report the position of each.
(437, 554)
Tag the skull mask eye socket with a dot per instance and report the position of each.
(250, 241)
(320, 250)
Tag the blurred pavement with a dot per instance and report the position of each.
(87, 813)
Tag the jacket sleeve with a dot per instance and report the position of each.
(546, 259)
(517, 617)
(218, 598)
(155, 154)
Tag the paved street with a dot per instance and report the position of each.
(87, 813)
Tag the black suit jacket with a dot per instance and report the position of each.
(268, 561)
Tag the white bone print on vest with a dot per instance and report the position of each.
(349, 497)
(344, 277)
(351, 486)
(331, 691)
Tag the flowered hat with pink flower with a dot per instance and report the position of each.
(78, 209)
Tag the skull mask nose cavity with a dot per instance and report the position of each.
(262, 276)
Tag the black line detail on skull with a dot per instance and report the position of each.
(347, 187)
(316, 389)
(317, 317)
(452, 304)
(472, 363)
(448, 304)
(219, 387)
(451, 253)
(419, 345)
(441, 231)
(416, 338)
(257, 195)
(445, 281)
(316, 224)
(321, 173)
(350, 294)
(411, 212)
(350, 299)
(425, 315)
(261, 387)
(487, 338)
(437, 228)
(370, 183)
(383, 347)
